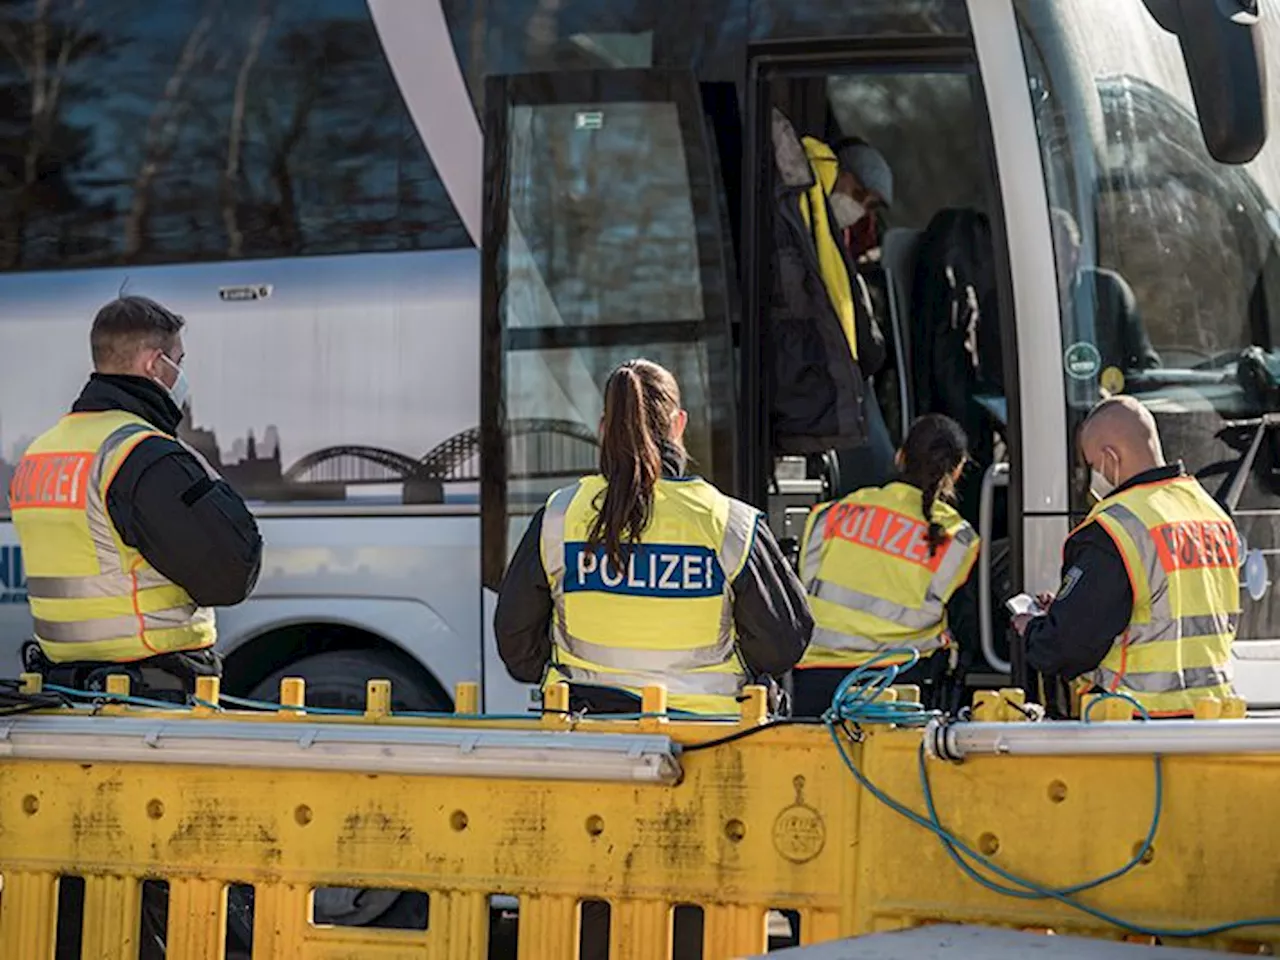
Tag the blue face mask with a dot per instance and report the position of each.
(180, 392)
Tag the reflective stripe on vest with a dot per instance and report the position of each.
(92, 596)
(870, 579)
(1182, 554)
(686, 580)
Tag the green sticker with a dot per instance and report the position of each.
(1082, 361)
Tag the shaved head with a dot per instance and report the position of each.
(1119, 439)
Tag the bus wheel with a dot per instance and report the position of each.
(337, 679)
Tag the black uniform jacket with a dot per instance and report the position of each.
(192, 528)
(770, 612)
(1094, 602)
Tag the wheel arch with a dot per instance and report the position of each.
(285, 643)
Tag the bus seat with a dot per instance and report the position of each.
(898, 250)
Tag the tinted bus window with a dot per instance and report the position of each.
(252, 165)
(532, 36)
(206, 131)
(796, 19)
(1168, 262)
(707, 36)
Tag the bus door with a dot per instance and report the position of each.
(606, 237)
(937, 259)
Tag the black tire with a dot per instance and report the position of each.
(338, 678)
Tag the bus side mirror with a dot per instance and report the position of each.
(1221, 44)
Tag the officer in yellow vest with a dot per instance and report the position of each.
(888, 568)
(643, 575)
(1150, 596)
(128, 536)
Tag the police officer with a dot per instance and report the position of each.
(888, 568)
(1150, 596)
(643, 574)
(128, 536)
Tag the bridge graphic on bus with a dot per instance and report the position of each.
(537, 449)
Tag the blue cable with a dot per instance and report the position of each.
(1115, 874)
(271, 707)
(114, 697)
(854, 702)
(857, 699)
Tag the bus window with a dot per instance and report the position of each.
(522, 36)
(603, 242)
(1169, 262)
(708, 37)
(788, 19)
(254, 166)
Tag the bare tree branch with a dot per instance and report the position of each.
(235, 139)
(161, 132)
(69, 40)
(11, 45)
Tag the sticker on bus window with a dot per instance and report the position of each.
(1082, 361)
(1112, 380)
(588, 120)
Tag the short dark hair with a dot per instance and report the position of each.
(127, 325)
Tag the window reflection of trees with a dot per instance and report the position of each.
(205, 129)
(606, 213)
(532, 36)
(1164, 203)
(602, 234)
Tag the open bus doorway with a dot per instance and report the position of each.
(935, 284)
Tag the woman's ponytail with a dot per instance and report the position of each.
(641, 401)
(935, 448)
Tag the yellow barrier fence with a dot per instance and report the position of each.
(759, 817)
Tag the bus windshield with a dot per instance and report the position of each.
(1168, 262)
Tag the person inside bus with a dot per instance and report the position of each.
(887, 570)
(645, 574)
(862, 187)
(818, 327)
(862, 194)
(1120, 336)
(1150, 595)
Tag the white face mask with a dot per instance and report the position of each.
(846, 210)
(1099, 485)
(180, 392)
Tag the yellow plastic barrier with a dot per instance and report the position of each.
(758, 820)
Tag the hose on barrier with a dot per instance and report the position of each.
(13, 700)
(856, 702)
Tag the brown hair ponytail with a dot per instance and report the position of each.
(641, 402)
(935, 447)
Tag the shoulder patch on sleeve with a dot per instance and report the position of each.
(1069, 580)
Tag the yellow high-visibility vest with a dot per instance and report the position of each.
(813, 208)
(1182, 553)
(871, 582)
(668, 617)
(92, 596)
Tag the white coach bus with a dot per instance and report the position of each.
(410, 238)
